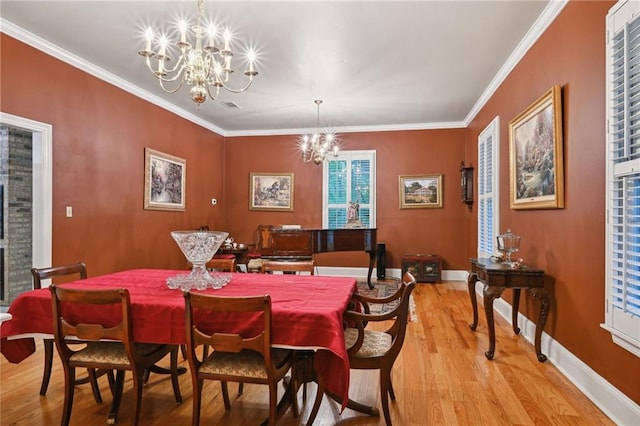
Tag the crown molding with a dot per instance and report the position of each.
(548, 15)
(351, 129)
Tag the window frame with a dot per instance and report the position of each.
(349, 156)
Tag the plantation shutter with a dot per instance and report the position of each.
(623, 176)
(488, 149)
(349, 178)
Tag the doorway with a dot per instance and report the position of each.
(42, 137)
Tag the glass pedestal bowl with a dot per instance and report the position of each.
(508, 243)
(199, 247)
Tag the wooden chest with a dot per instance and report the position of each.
(427, 268)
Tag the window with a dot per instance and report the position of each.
(488, 197)
(622, 315)
(351, 177)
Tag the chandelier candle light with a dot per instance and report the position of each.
(317, 145)
(202, 66)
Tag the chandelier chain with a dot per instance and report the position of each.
(316, 146)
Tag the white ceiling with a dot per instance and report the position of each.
(377, 65)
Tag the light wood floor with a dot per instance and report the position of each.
(441, 378)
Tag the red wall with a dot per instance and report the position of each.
(568, 243)
(99, 136)
(98, 148)
(397, 153)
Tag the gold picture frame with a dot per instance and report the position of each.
(164, 181)
(536, 155)
(271, 191)
(420, 191)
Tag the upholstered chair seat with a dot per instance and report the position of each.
(375, 343)
(113, 353)
(245, 363)
(254, 265)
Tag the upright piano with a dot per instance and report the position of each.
(297, 244)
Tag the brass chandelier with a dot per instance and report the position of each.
(205, 65)
(316, 146)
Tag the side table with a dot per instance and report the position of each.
(497, 277)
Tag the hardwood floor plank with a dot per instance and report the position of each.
(441, 378)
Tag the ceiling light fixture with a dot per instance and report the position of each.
(316, 146)
(203, 66)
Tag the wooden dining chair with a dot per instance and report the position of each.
(245, 358)
(75, 270)
(285, 266)
(303, 357)
(223, 264)
(254, 255)
(109, 346)
(374, 350)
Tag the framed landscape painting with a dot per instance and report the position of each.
(420, 191)
(536, 155)
(271, 191)
(164, 181)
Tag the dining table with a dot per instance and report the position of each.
(307, 314)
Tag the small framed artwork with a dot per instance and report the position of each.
(164, 181)
(536, 155)
(271, 191)
(420, 191)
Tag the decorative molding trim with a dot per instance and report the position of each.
(453, 275)
(352, 129)
(447, 275)
(548, 15)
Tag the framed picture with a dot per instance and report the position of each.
(164, 181)
(271, 191)
(535, 155)
(420, 191)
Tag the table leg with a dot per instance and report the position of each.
(471, 283)
(514, 310)
(542, 295)
(162, 370)
(372, 261)
(491, 293)
(301, 374)
(354, 405)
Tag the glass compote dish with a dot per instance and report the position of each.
(199, 247)
(508, 243)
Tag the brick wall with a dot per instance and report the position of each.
(16, 176)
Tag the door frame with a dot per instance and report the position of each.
(42, 185)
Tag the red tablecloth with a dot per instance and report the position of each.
(306, 313)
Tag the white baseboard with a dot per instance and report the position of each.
(389, 272)
(616, 405)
